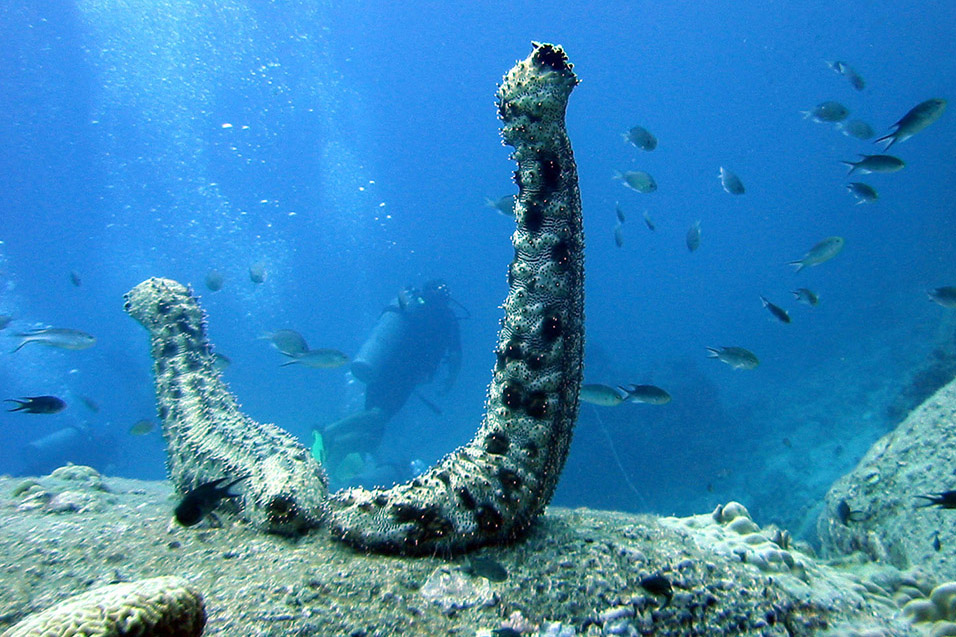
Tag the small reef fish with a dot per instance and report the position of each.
(641, 138)
(60, 337)
(505, 206)
(828, 112)
(485, 567)
(943, 500)
(319, 359)
(778, 312)
(5, 320)
(693, 236)
(731, 182)
(89, 403)
(214, 280)
(857, 128)
(648, 222)
(820, 253)
(945, 296)
(915, 120)
(602, 395)
(620, 213)
(142, 427)
(736, 357)
(637, 180)
(257, 273)
(807, 296)
(289, 342)
(875, 164)
(846, 515)
(619, 235)
(220, 361)
(842, 68)
(75, 278)
(201, 501)
(657, 584)
(37, 404)
(864, 193)
(650, 394)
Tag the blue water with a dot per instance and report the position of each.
(350, 148)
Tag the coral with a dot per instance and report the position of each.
(488, 491)
(161, 606)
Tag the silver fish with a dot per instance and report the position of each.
(619, 235)
(807, 296)
(875, 164)
(864, 193)
(602, 395)
(504, 205)
(641, 138)
(736, 357)
(637, 180)
(60, 337)
(650, 394)
(619, 212)
(319, 359)
(828, 112)
(915, 120)
(731, 182)
(778, 312)
(856, 81)
(648, 222)
(693, 236)
(289, 342)
(820, 253)
(945, 296)
(857, 128)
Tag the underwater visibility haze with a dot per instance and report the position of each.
(755, 317)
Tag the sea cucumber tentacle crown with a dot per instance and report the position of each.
(493, 488)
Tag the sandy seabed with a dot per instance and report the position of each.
(578, 572)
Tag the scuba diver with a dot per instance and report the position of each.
(412, 338)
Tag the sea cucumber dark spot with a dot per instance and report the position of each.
(551, 328)
(537, 404)
(465, 497)
(533, 217)
(510, 480)
(488, 518)
(281, 510)
(163, 412)
(513, 350)
(511, 275)
(561, 254)
(496, 443)
(381, 500)
(512, 395)
(550, 171)
(535, 362)
(162, 308)
(193, 364)
(443, 477)
(531, 448)
(403, 513)
(169, 349)
(416, 483)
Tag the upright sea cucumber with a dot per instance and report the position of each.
(494, 487)
(488, 491)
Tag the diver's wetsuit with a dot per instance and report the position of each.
(409, 343)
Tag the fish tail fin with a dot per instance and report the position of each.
(20, 404)
(891, 137)
(764, 300)
(617, 175)
(712, 352)
(287, 363)
(797, 265)
(852, 166)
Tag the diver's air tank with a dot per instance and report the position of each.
(382, 350)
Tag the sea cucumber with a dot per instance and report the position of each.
(488, 491)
